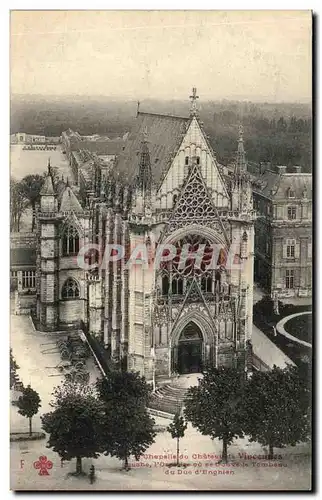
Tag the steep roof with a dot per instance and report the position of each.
(110, 147)
(276, 186)
(60, 188)
(69, 202)
(297, 182)
(164, 136)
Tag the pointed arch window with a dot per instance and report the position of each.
(206, 284)
(70, 289)
(165, 285)
(70, 241)
(177, 286)
(186, 160)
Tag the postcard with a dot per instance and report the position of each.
(160, 250)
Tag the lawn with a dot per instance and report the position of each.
(265, 319)
(300, 327)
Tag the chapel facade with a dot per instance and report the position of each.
(165, 188)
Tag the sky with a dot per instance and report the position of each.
(253, 55)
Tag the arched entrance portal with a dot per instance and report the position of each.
(190, 349)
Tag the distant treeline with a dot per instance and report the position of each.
(275, 132)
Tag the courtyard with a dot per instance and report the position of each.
(24, 162)
(37, 360)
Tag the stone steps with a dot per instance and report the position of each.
(168, 399)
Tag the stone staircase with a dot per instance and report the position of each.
(168, 399)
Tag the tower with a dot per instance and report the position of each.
(243, 232)
(48, 255)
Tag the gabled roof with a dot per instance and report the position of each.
(69, 202)
(164, 136)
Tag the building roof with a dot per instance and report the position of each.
(60, 188)
(276, 186)
(22, 257)
(48, 186)
(69, 202)
(164, 136)
(106, 147)
(297, 183)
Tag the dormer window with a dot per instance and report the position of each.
(291, 193)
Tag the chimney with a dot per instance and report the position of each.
(297, 169)
(281, 169)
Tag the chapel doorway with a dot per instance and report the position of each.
(190, 349)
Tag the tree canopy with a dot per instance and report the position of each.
(128, 426)
(30, 187)
(75, 424)
(214, 407)
(28, 404)
(277, 408)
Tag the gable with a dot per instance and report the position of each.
(195, 205)
(193, 144)
(193, 294)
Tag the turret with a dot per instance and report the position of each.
(144, 177)
(48, 201)
(241, 190)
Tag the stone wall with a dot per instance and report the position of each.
(25, 303)
(23, 240)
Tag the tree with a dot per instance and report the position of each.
(75, 424)
(13, 370)
(18, 205)
(29, 404)
(214, 407)
(276, 408)
(177, 429)
(30, 187)
(128, 426)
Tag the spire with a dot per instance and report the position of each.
(241, 159)
(193, 98)
(48, 186)
(145, 176)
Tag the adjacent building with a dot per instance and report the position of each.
(283, 230)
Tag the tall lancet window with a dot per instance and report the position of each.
(70, 241)
(193, 261)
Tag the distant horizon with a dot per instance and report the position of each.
(257, 100)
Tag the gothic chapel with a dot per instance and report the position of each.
(166, 187)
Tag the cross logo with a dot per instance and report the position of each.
(43, 464)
